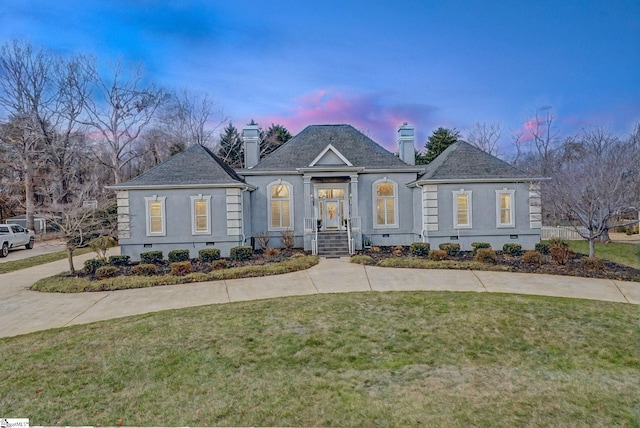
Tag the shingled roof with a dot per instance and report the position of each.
(195, 166)
(357, 148)
(462, 161)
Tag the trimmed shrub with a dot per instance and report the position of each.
(271, 252)
(512, 249)
(106, 271)
(363, 260)
(420, 249)
(592, 263)
(218, 264)
(145, 269)
(560, 253)
(181, 268)
(175, 256)
(101, 244)
(451, 248)
(485, 255)
(241, 253)
(397, 250)
(288, 239)
(558, 241)
(478, 245)
(91, 265)
(542, 248)
(437, 255)
(119, 260)
(532, 258)
(208, 255)
(151, 257)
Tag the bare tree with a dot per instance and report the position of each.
(192, 118)
(26, 94)
(485, 137)
(120, 110)
(79, 223)
(595, 177)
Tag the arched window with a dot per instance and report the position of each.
(385, 203)
(280, 205)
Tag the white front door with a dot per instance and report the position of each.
(332, 214)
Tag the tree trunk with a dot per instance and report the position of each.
(72, 270)
(29, 195)
(592, 247)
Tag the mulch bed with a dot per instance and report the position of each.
(515, 264)
(164, 268)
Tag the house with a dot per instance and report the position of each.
(336, 189)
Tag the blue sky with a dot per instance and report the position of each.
(371, 64)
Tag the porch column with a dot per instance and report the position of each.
(354, 196)
(308, 205)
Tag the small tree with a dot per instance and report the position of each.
(598, 182)
(230, 148)
(79, 225)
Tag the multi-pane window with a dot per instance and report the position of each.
(156, 219)
(200, 214)
(462, 209)
(505, 208)
(280, 206)
(386, 204)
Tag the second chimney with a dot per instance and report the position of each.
(406, 144)
(251, 141)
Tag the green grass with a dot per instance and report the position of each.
(619, 252)
(14, 265)
(350, 360)
(65, 284)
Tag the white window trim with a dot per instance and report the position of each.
(200, 197)
(161, 199)
(394, 225)
(457, 193)
(512, 214)
(269, 200)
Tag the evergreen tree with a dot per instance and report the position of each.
(437, 143)
(230, 148)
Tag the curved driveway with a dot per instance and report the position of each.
(24, 311)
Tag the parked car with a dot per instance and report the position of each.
(14, 235)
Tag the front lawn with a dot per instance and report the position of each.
(620, 252)
(350, 360)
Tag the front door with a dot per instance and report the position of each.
(332, 214)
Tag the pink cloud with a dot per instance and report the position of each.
(373, 114)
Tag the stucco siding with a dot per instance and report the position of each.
(178, 220)
(484, 212)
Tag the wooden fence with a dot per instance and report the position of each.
(565, 232)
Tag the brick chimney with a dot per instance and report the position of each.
(251, 138)
(406, 144)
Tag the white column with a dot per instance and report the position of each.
(354, 196)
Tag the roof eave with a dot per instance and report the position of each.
(181, 186)
(477, 180)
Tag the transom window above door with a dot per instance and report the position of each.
(330, 193)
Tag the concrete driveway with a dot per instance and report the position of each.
(24, 311)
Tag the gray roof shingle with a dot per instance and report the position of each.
(462, 161)
(357, 148)
(195, 166)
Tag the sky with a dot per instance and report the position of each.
(371, 64)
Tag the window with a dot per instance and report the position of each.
(155, 210)
(201, 215)
(462, 209)
(504, 208)
(386, 203)
(280, 205)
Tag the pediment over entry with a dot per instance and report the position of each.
(330, 156)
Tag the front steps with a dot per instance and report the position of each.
(333, 244)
